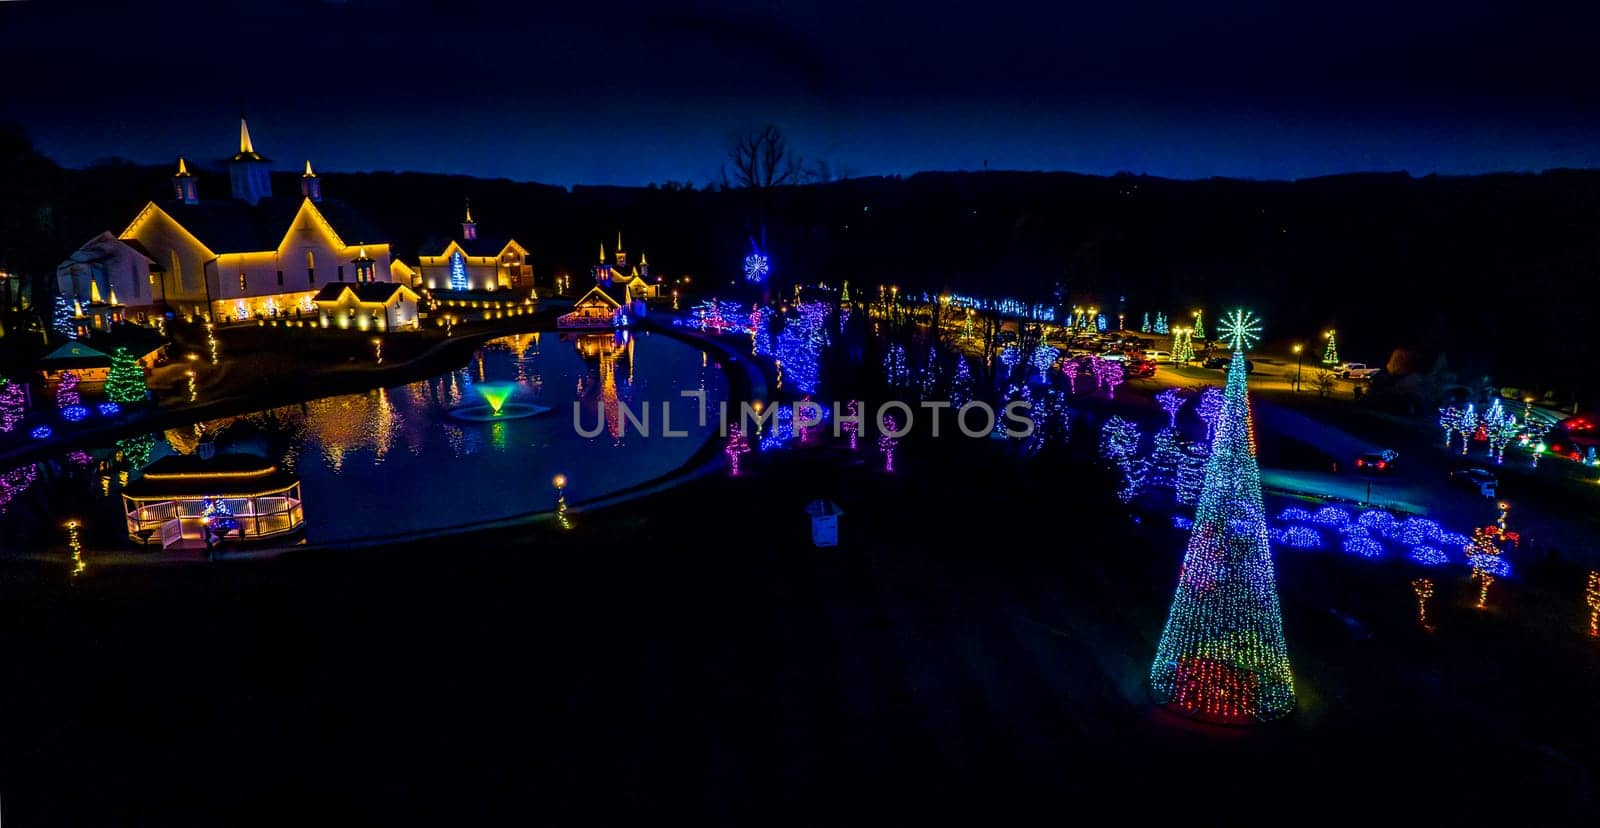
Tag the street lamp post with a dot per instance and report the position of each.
(1299, 357)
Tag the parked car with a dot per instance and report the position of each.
(1356, 371)
(1139, 368)
(1158, 356)
(1575, 447)
(1377, 462)
(1480, 480)
(1221, 364)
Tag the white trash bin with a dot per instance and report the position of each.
(824, 522)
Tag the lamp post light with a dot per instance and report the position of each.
(75, 546)
(1299, 357)
(560, 482)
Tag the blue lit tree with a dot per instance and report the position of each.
(1145, 326)
(799, 351)
(760, 331)
(458, 271)
(928, 378)
(1222, 655)
(1209, 408)
(61, 319)
(1044, 356)
(961, 384)
(895, 371)
(1119, 446)
(1165, 456)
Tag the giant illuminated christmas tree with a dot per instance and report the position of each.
(1222, 655)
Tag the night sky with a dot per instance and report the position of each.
(634, 92)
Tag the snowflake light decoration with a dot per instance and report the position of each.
(755, 267)
(1241, 329)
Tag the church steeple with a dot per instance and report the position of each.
(248, 170)
(183, 184)
(469, 228)
(310, 184)
(622, 255)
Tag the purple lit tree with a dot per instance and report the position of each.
(67, 391)
(12, 402)
(1110, 375)
(1171, 401)
(851, 424)
(736, 446)
(887, 442)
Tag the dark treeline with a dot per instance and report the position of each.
(1498, 272)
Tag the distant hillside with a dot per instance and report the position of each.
(1500, 271)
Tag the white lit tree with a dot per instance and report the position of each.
(1466, 424)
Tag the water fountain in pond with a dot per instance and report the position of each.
(496, 396)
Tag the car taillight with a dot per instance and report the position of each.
(1361, 462)
(1382, 464)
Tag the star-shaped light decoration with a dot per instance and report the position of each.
(1241, 329)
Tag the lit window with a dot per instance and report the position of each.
(243, 286)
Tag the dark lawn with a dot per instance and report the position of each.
(976, 648)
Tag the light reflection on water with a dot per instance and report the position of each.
(393, 460)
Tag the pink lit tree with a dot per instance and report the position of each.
(887, 442)
(11, 405)
(67, 391)
(851, 424)
(736, 446)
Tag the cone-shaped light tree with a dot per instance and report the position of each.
(1222, 655)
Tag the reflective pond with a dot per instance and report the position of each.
(398, 460)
